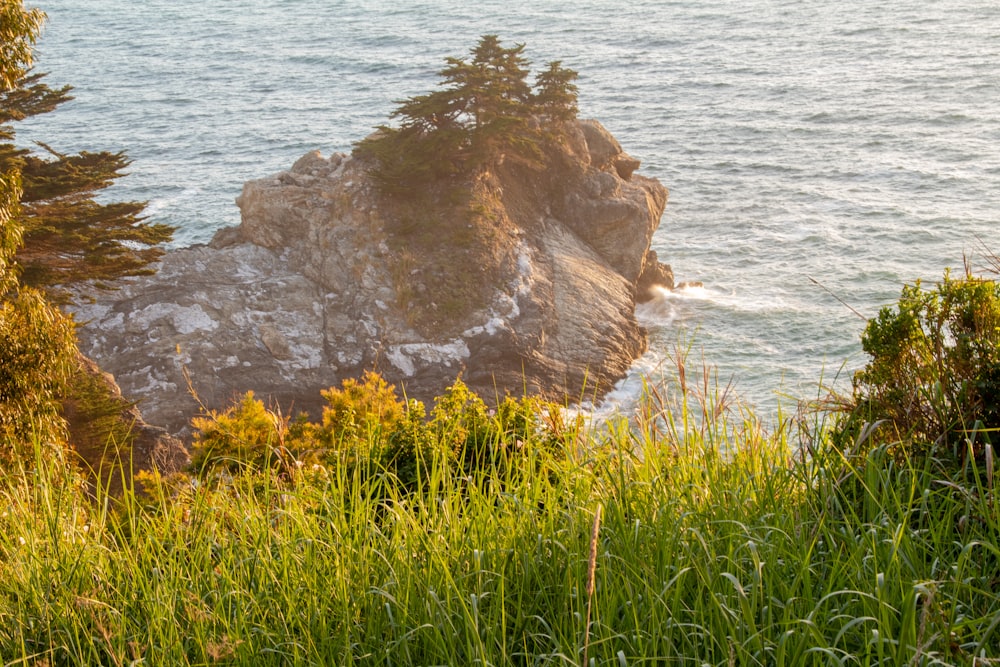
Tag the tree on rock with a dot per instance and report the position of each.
(557, 94)
(497, 97)
(486, 110)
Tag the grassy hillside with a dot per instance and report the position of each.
(708, 540)
(522, 535)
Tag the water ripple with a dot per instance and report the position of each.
(854, 141)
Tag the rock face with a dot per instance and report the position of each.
(105, 455)
(306, 292)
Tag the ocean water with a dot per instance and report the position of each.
(819, 155)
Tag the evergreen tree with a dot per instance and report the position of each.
(486, 110)
(37, 345)
(555, 98)
(69, 237)
(497, 97)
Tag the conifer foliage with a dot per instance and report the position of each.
(68, 236)
(37, 345)
(486, 111)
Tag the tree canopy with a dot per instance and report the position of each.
(486, 110)
(37, 346)
(68, 236)
(53, 233)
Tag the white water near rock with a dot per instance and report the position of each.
(853, 143)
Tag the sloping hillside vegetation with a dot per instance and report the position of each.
(866, 530)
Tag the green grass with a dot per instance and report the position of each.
(719, 543)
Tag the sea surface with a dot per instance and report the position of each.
(819, 155)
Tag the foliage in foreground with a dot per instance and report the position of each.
(365, 423)
(933, 380)
(69, 235)
(718, 544)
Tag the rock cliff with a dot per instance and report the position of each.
(109, 435)
(318, 284)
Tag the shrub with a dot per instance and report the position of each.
(494, 442)
(246, 434)
(366, 424)
(363, 419)
(934, 373)
(37, 354)
(37, 347)
(364, 410)
(460, 423)
(409, 447)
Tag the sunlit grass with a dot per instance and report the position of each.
(719, 543)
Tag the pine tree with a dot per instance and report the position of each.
(501, 109)
(37, 345)
(69, 237)
(556, 94)
(485, 111)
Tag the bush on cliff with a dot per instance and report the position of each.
(932, 383)
(363, 409)
(52, 233)
(359, 421)
(37, 358)
(37, 346)
(364, 422)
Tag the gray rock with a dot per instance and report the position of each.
(303, 294)
(654, 274)
(103, 457)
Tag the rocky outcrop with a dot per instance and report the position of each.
(655, 274)
(310, 289)
(110, 436)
